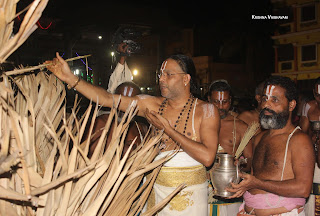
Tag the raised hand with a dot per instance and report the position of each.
(60, 68)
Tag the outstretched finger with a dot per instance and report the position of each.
(58, 56)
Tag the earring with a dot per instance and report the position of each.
(185, 84)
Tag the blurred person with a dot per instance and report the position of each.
(302, 100)
(232, 129)
(188, 123)
(122, 72)
(251, 116)
(137, 128)
(231, 132)
(283, 158)
(310, 118)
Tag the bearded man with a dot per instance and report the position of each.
(188, 123)
(283, 159)
(310, 118)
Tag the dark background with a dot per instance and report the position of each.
(223, 30)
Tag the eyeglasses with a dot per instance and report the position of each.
(167, 75)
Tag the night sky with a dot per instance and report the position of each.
(225, 24)
(224, 15)
(222, 29)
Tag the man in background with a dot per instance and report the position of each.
(310, 124)
(251, 116)
(231, 132)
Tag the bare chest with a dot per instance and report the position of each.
(229, 137)
(268, 158)
(184, 120)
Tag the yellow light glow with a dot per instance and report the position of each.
(135, 72)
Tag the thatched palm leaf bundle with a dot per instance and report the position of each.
(48, 171)
(44, 168)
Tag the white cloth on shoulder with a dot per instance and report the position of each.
(305, 110)
(121, 74)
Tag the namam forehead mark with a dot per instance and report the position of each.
(269, 92)
(127, 91)
(317, 88)
(221, 96)
(163, 66)
(208, 110)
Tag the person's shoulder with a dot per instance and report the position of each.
(245, 113)
(312, 103)
(201, 103)
(301, 139)
(243, 126)
(241, 122)
(298, 134)
(206, 109)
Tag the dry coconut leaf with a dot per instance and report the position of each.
(50, 171)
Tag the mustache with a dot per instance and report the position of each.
(163, 85)
(268, 110)
(222, 110)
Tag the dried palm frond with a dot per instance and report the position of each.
(52, 173)
(9, 42)
(44, 165)
(41, 66)
(250, 132)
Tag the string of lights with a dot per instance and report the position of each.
(39, 25)
(45, 28)
(84, 62)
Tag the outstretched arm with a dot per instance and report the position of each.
(97, 94)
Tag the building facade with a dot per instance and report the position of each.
(297, 39)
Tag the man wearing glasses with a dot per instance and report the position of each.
(189, 124)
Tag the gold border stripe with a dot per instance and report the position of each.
(174, 176)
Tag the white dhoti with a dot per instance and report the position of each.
(313, 203)
(192, 200)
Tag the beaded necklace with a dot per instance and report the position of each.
(183, 112)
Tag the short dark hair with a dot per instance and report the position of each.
(292, 92)
(187, 66)
(259, 89)
(220, 85)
